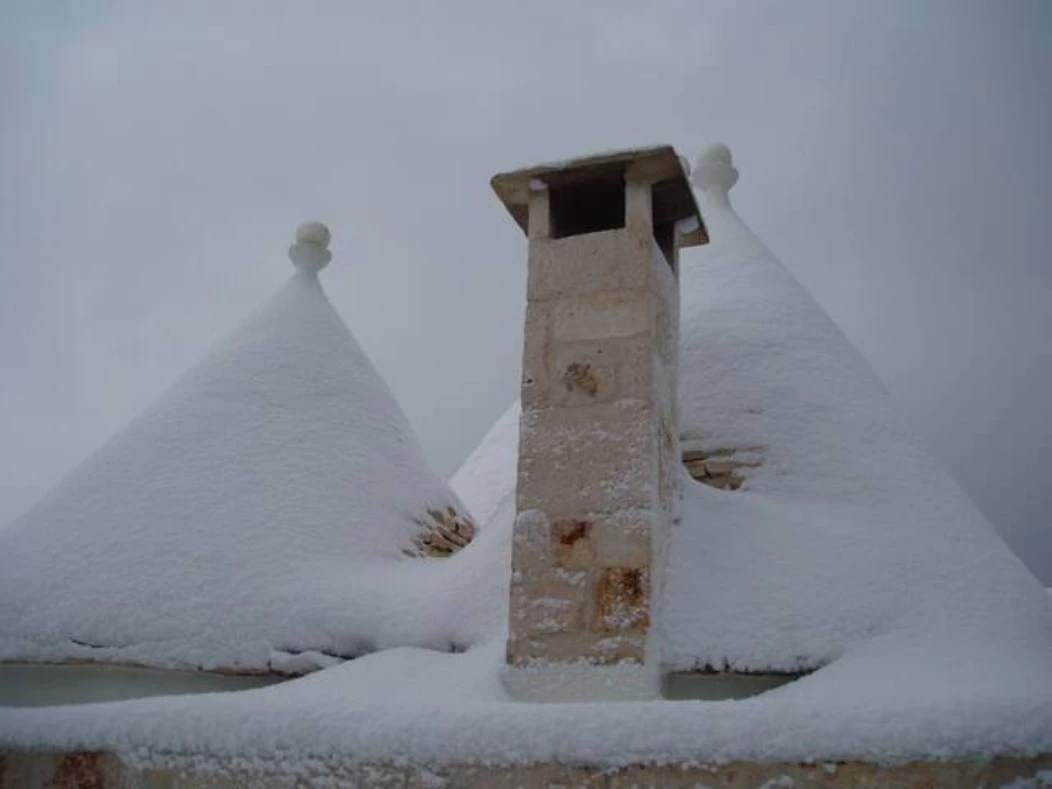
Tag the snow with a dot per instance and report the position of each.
(849, 527)
(486, 480)
(847, 531)
(848, 551)
(254, 515)
(429, 708)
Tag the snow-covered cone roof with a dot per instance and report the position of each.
(848, 526)
(486, 480)
(264, 504)
(842, 531)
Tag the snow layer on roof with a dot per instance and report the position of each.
(258, 510)
(486, 480)
(849, 527)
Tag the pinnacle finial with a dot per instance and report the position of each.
(714, 172)
(311, 250)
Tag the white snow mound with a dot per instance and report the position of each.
(261, 506)
(849, 525)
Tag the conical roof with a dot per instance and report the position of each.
(242, 513)
(844, 523)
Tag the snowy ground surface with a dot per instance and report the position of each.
(849, 550)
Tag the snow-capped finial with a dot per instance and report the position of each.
(311, 250)
(714, 172)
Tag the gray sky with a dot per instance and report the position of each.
(155, 159)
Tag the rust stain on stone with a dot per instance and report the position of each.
(569, 532)
(580, 376)
(571, 543)
(633, 586)
(622, 598)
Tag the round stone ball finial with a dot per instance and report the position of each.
(313, 233)
(311, 250)
(714, 172)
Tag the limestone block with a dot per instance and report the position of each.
(535, 389)
(622, 539)
(531, 541)
(720, 465)
(639, 207)
(663, 281)
(589, 263)
(598, 648)
(72, 769)
(583, 373)
(540, 214)
(602, 315)
(530, 776)
(665, 377)
(599, 371)
(637, 373)
(669, 475)
(664, 320)
(549, 600)
(722, 468)
(602, 457)
(622, 599)
(572, 545)
(524, 649)
(671, 776)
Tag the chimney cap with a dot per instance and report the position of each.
(658, 165)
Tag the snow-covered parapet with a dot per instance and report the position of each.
(311, 252)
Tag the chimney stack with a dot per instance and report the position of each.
(598, 476)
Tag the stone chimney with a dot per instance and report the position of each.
(598, 478)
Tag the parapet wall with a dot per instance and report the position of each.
(98, 770)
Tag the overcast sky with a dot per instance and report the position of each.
(155, 159)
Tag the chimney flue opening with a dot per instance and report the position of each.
(586, 207)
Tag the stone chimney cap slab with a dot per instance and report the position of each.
(659, 166)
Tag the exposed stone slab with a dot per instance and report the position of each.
(99, 770)
(596, 458)
(592, 263)
(603, 315)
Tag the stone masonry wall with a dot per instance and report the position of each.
(598, 453)
(98, 770)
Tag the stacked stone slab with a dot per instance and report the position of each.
(598, 472)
